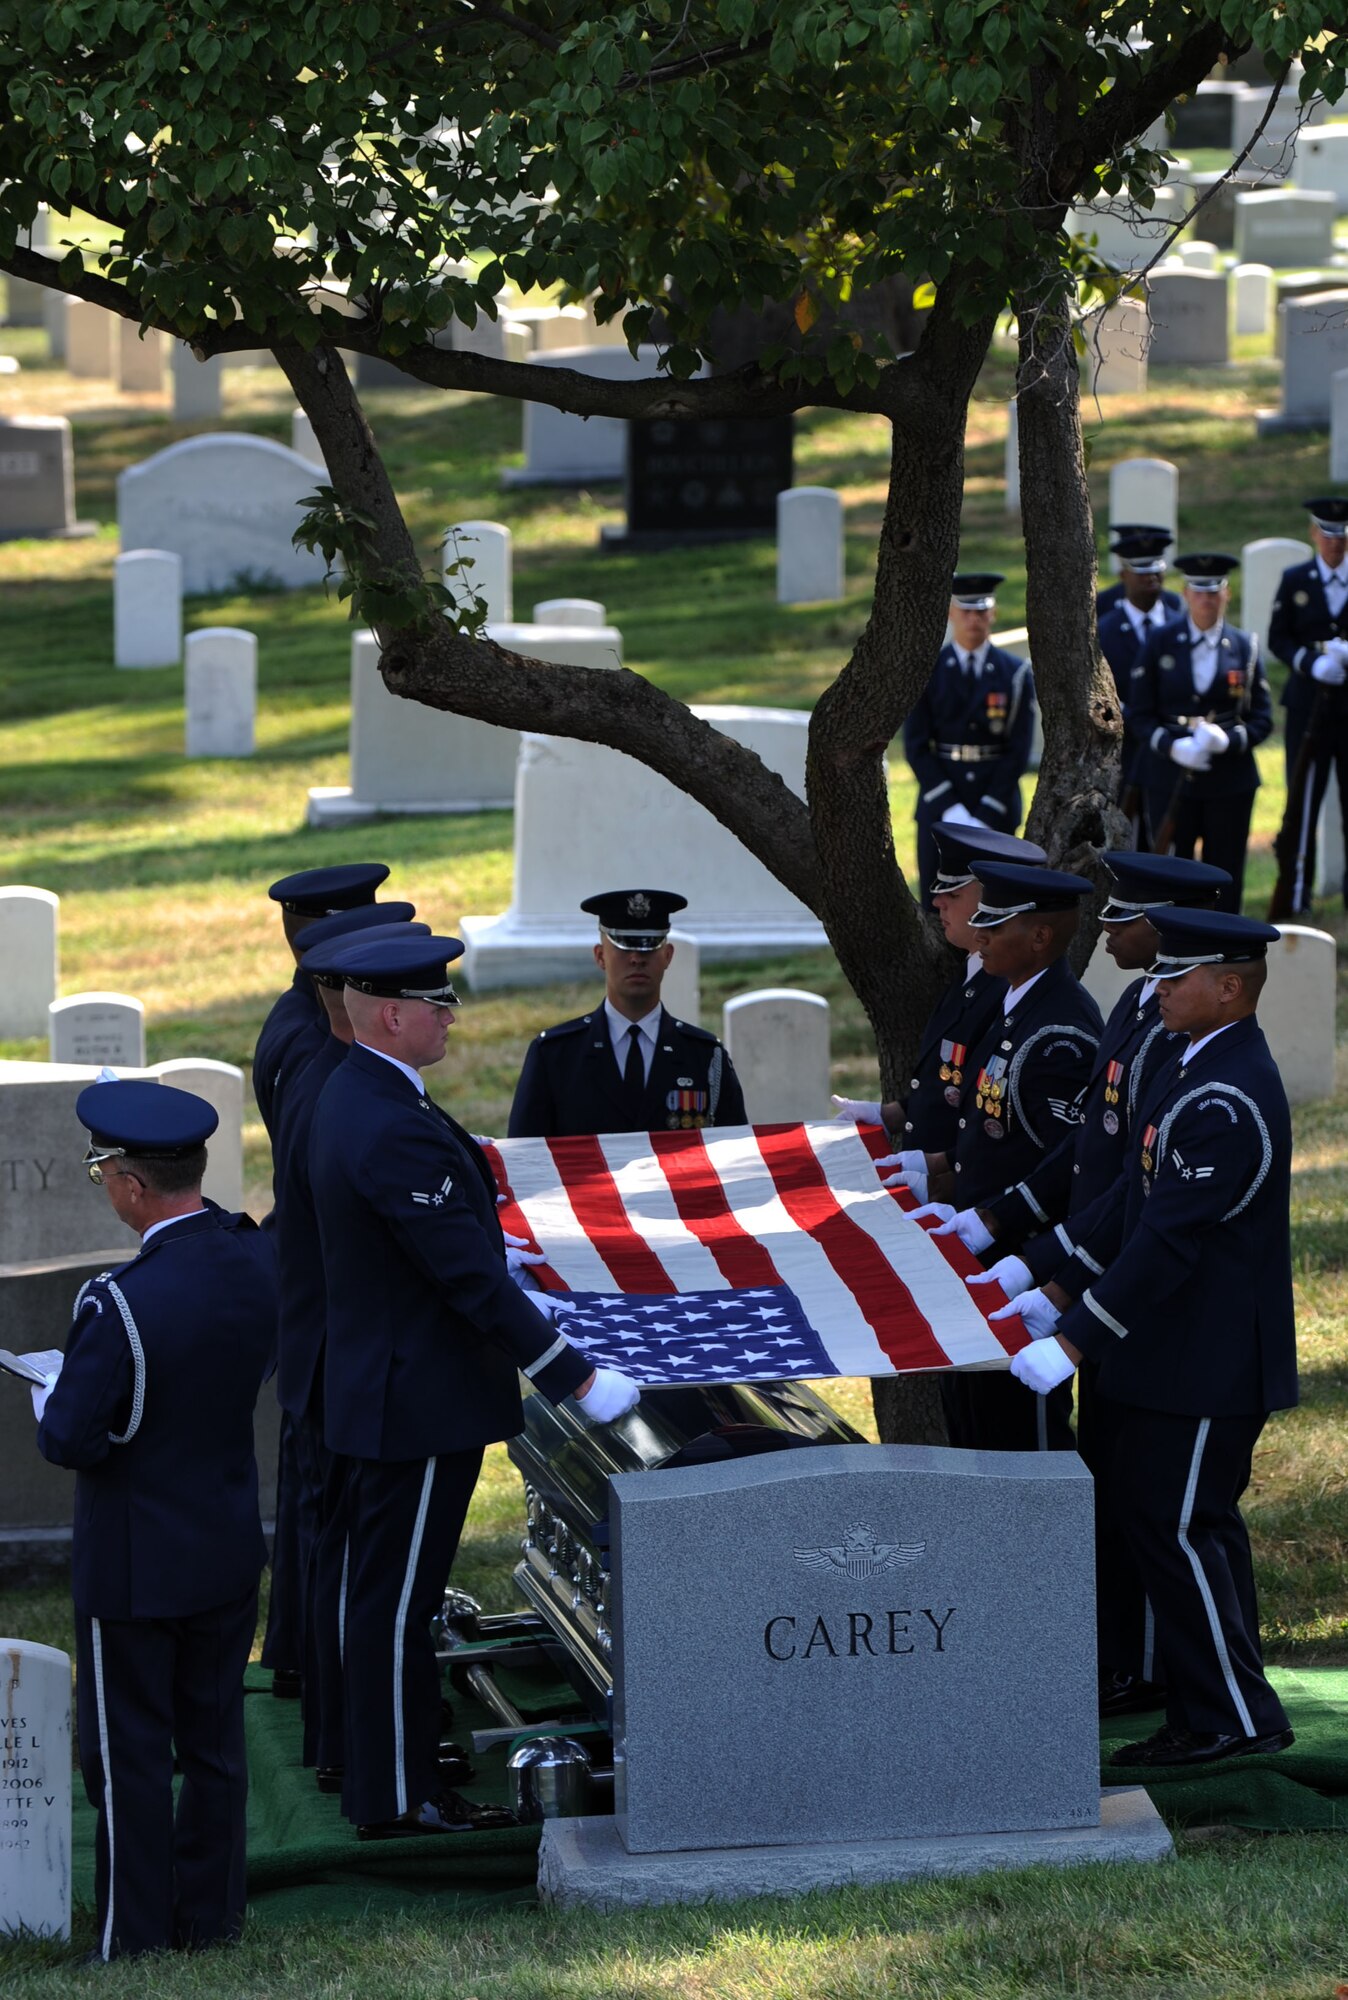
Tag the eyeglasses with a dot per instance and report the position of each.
(93, 1161)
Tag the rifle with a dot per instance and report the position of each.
(1289, 850)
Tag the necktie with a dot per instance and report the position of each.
(634, 1069)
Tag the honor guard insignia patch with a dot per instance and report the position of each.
(638, 904)
(861, 1554)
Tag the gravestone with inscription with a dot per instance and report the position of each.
(35, 1785)
(37, 477)
(228, 504)
(703, 479)
(98, 1028)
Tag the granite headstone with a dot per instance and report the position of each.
(1322, 163)
(703, 479)
(1188, 318)
(1338, 427)
(889, 1640)
(35, 1787)
(1315, 348)
(1284, 226)
(197, 385)
(37, 477)
(228, 504)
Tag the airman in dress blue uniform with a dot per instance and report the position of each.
(629, 1065)
(427, 1333)
(1308, 629)
(1108, 599)
(1192, 1329)
(970, 732)
(153, 1409)
(1063, 1218)
(1201, 702)
(1142, 607)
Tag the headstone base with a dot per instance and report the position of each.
(337, 805)
(519, 951)
(1276, 423)
(646, 541)
(78, 531)
(561, 475)
(583, 1863)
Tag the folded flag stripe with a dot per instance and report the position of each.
(743, 1253)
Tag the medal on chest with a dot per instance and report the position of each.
(687, 1108)
(1235, 684)
(1114, 1073)
(995, 709)
(1148, 1149)
(989, 1096)
(952, 1069)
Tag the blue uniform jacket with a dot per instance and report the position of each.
(293, 1031)
(1194, 1315)
(1120, 645)
(571, 1084)
(993, 711)
(1087, 1164)
(154, 1411)
(301, 1273)
(426, 1328)
(1238, 701)
(959, 1021)
(1298, 626)
(1022, 1084)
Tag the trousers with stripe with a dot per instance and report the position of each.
(404, 1523)
(145, 1689)
(1124, 1625)
(1177, 1483)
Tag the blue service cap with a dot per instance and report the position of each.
(152, 1119)
(635, 919)
(1207, 937)
(317, 960)
(1013, 891)
(1329, 512)
(958, 847)
(1141, 882)
(976, 589)
(1142, 550)
(1207, 571)
(1119, 529)
(347, 923)
(399, 967)
(318, 892)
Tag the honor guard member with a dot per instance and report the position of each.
(1140, 609)
(301, 1278)
(1308, 629)
(627, 1066)
(427, 1334)
(1191, 1328)
(969, 735)
(304, 898)
(153, 1408)
(294, 1031)
(1064, 1219)
(1109, 597)
(926, 1120)
(1201, 702)
(1018, 1100)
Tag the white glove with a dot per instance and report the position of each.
(1330, 669)
(973, 1233)
(611, 1394)
(1337, 649)
(1190, 754)
(958, 815)
(1210, 737)
(1013, 1274)
(518, 1254)
(907, 1163)
(1034, 1309)
(39, 1391)
(1042, 1365)
(859, 1108)
(916, 1184)
(944, 1211)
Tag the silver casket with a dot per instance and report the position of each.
(566, 1463)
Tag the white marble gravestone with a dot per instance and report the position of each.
(138, 360)
(228, 504)
(35, 1788)
(586, 613)
(1145, 489)
(97, 1028)
(1188, 318)
(486, 545)
(809, 545)
(221, 1084)
(1284, 227)
(1338, 426)
(303, 441)
(1261, 565)
(1011, 464)
(1315, 349)
(681, 990)
(577, 805)
(37, 477)
(561, 449)
(197, 385)
(147, 608)
(1253, 286)
(54, 310)
(778, 1040)
(1198, 255)
(29, 920)
(221, 691)
(90, 330)
(1296, 1011)
(1329, 856)
(1117, 344)
(1127, 235)
(1322, 163)
(1276, 149)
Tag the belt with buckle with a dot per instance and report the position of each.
(969, 753)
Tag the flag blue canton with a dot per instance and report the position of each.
(694, 1336)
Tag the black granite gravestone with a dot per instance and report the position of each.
(703, 479)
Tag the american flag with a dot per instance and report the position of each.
(743, 1254)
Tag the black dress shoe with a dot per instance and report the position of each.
(287, 1683)
(1129, 1694)
(446, 1813)
(328, 1777)
(1180, 1746)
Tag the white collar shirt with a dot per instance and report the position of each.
(413, 1076)
(1143, 622)
(1203, 654)
(168, 1223)
(618, 1027)
(1203, 1041)
(1335, 582)
(971, 663)
(1014, 995)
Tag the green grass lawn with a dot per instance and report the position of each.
(162, 867)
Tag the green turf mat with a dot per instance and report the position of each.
(305, 1862)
